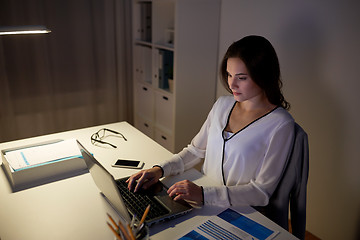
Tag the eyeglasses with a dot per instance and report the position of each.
(99, 135)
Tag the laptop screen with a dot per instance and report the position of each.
(105, 182)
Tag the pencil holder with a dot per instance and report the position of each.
(143, 232)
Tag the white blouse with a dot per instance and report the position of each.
(247, 165)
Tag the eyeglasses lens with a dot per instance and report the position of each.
(101, 133)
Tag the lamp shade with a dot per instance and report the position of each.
(30, 29)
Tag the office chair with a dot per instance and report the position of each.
(292, 189)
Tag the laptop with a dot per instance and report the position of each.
(123, 201)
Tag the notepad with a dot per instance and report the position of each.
(33, 156)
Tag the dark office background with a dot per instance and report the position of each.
(76, 76)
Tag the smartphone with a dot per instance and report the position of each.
(123, 163)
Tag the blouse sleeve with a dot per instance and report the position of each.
(190, 155)
(258, 191)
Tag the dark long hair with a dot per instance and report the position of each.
(262, 63)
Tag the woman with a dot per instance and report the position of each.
(246, 138)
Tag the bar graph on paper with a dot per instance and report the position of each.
(230, 225)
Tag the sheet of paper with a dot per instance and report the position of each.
(27, 157)
(230, 225)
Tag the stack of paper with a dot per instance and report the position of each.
(33, 156)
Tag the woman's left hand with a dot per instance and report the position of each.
(186, 190)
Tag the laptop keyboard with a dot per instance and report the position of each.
(137, 202)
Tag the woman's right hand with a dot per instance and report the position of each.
(144, 178)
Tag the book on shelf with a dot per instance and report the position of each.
(166, 66)
(142, 61)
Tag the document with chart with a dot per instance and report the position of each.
(231, 225)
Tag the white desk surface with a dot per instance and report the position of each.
(73, 208)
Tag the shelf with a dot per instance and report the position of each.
(144, 43)
(169, 47)
(164, 91)
(163, 22)
(143, 21)
(179, 59)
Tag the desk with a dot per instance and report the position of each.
(72, 208)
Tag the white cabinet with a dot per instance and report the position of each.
(165, 139)
(144, 100)
(144, 125)
(163, 106)
(175, 45)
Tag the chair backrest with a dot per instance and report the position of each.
(292, 188)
